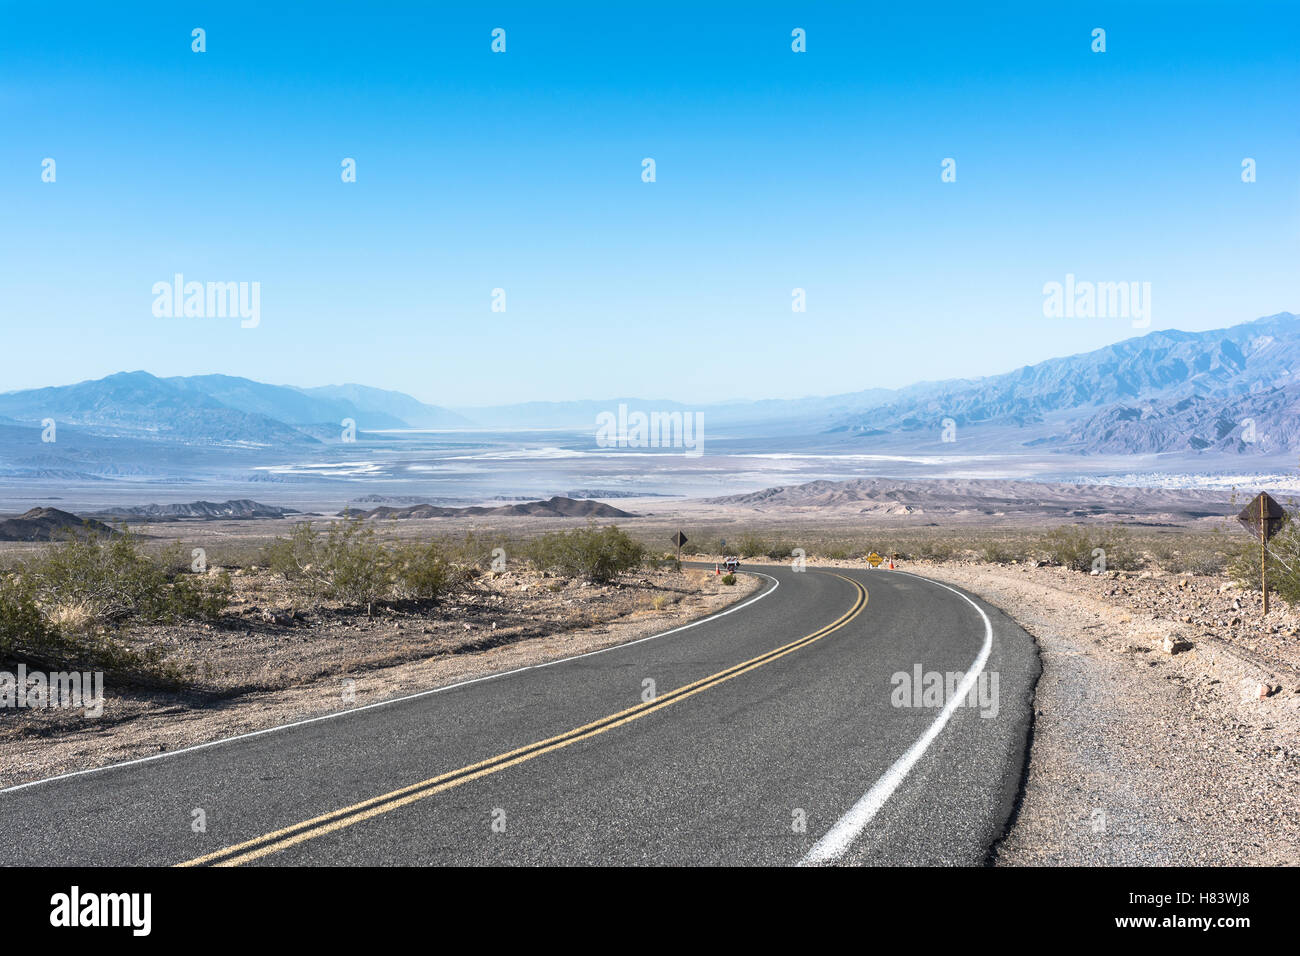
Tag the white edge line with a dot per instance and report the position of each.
(397, 700)
(841, 836)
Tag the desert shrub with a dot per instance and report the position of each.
(932, 551)
(729, 579)
(423, 571)
(1121, 555)
(199, 597)
(837, 552)
(1202, 562)
(751, 546)
(27, 633)
(344, 563)
(1069, 546)
(1072, 546)
(478, 550)
(86, 582)
(1166, 555)
(347, 562)
(1193, 560)
(22, 626)
(1283, 563)
(998, 552)
(667, 559)
(597, 554)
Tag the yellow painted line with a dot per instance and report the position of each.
(284, 838)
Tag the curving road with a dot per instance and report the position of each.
(774, 733)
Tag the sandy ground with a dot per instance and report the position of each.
(296, 672)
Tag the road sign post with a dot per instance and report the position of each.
(1263, 518)
(679, 539)
(1263, 554)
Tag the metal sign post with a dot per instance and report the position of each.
(1263, 554)
(1263, 518)
(679, 539)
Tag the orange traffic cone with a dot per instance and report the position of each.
(891, 562)
(715, 568)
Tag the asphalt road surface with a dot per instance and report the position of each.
(779, 732)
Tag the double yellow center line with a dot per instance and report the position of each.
(339, 819)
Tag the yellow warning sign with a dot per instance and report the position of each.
(874, 559)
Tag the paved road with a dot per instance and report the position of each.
(768, 735)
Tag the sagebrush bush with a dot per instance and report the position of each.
(751, 546)
(90, 582)
(998, 552)
(423, 571)
(597, 554)
(23, 628)
(26, 633)
(346, 562)
(1073, 546)
(1193, 560)
(478, 550)
(932, 551)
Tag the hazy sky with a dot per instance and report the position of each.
(523, 171)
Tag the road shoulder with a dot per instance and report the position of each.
(1140, 756)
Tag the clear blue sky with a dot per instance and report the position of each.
(523, 171)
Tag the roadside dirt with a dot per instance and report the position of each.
(263, 666)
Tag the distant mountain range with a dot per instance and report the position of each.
(243, 509)
(219, 410)
(955, 498)
(53, 524)
(555, 507)
(1229, 391)
(1234, 390)
(49, 524)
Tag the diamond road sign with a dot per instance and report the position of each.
(679, 539)
(1263, 514)
(874, 559)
